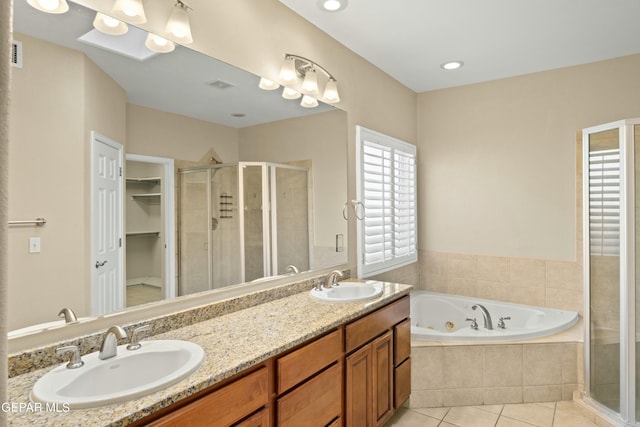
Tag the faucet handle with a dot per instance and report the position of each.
(501, 323)
(76, 360)
(474, 324)
(134, 344)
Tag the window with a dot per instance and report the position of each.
(386, 186)
(604, 202)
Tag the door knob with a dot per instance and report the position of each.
(100, 264)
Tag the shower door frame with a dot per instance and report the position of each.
(627, 409)
(269, 222)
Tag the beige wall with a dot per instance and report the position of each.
(497, 159)
(157, 133)
(50, 107)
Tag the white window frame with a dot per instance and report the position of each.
(400, 225)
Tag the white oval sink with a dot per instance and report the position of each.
(130, 374)
(349, 291)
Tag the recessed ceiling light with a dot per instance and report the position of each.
(332, 5)
(452, 65)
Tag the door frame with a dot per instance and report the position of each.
(169, 213)
(97, 138)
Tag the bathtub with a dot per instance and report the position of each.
(442, 317)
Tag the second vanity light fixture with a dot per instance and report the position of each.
(295, 67)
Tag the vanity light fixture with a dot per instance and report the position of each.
(50, 6)
(332, 5)
(178, 24)
(267, 84)
(294, 67)
(131, 11)
(159, 44)
(109, 25)
(451, 65)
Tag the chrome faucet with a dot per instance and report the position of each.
(488, 323)
(330, 280)
(68, 314)
(292, 269)
(109, 347)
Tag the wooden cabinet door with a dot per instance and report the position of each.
(382, 381)
(261, 419)
(359, 389)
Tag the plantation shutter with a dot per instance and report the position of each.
(604, 202)
(387, 234)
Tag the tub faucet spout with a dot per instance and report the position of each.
(488, 323)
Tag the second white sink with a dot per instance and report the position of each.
(348, 291)
(130, 374)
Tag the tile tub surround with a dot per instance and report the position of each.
(233, 343)
(454, 374)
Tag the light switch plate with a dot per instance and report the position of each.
(34, 245)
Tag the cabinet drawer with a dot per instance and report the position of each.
(401, 342)
(402, 379)
(315, 403)
(225, 406)
(367, 328)
(303, 363)
(261, 419)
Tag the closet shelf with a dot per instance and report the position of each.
(151, 180)
(151, 198)
(143, 233)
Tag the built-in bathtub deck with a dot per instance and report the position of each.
(454, 373)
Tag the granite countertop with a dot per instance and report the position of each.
(232, 343)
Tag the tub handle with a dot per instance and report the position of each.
(501, 324)
(474, 324)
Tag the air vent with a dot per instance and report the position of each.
(219, 84)
(16, 54)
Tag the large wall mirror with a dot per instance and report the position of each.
(201, 145)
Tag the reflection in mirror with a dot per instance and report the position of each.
(180, 107)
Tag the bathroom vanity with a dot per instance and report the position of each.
(293, 361)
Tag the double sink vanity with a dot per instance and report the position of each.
(327, 356)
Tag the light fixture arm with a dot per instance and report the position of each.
(183, 5)
(308, 64)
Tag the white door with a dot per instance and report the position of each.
(107, 284)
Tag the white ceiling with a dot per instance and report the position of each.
(409, 39)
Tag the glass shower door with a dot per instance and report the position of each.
(604, 266)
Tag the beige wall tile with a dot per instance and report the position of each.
(493, 395)
(565, 299)
(496, 291)
(570, 363)
(564, 275)
(425, 399)
(503, 365)
(462, 397)
(462, 286)
(493, 269)
(543, 364)
(434, 283)
(462, 367)
(435, 263)
(462, 266)
(546, 393)
(526, 272)
(427, 368)
(530, 296)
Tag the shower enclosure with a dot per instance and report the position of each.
(241, 222)
(611, 224)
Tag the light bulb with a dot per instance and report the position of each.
(310, 83)
(332, 5)
(50, 6)
(288, 72)
(288, 93)
(130, 10)
(267, 84)
(108, 25)
(178, 24)
(309, 102)
(331, 95)
(159, 44)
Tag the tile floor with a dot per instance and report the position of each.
(142, 294)
(552, 414)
